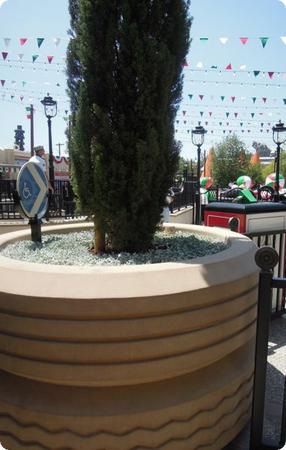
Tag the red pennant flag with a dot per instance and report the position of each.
(21, 98)
(232, 99)
(235, 114)
(185, 122)
(184, 113)
(243, 40)
(201, 97)
(3, 82)
(23, 41)
(50, 58)
(29, 116)
(228, 67)
(264, 99)
(4, 55)
(210, 114)
(270, 74)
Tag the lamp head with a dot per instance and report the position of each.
(50, 106)
(279, 133)
(198, 135)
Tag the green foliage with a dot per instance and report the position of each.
(230, 161)
(270, 168)
(125, 81)
(255, 173)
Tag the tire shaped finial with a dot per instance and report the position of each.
(266, 258)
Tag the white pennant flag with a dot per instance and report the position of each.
(20, 56)
(57, 41)
(242, 67)
(7, 42)
(224, 40)
(283, 39)
(200, 65)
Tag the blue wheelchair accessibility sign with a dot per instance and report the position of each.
(32, 187)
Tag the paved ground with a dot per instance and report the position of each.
(274, 391)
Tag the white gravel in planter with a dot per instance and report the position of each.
(72, 249)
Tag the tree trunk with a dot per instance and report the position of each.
(99, 239)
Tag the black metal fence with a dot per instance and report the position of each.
(277, 241)
(267, 259)
(62, 201)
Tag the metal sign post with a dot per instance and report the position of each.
(32, 187)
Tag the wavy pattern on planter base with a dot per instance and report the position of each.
(189, 420)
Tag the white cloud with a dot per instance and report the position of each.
(2, 2)
(282, 1)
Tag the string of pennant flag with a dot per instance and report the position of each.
(263, 40)
(234, 98)
(23, 41)
(229, 68)
(33, 58)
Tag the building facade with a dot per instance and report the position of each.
(12, 160)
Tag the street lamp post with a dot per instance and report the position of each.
(50, 107)
(198, 136)
(279, 137)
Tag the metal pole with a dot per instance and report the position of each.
(276, 195)
(51, 160)
(59, 145)
(198, 195)
(32, 129)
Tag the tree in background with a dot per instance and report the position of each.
(254, 171)
(262, 149)
(125, 80)
(230, 160)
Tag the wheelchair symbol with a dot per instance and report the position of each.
(26, 192)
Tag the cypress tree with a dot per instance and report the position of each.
(125, 80)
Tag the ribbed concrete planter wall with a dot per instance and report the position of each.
(127, 358)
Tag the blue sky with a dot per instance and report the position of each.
(233, 19)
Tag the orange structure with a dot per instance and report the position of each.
(208, 168)
(255, 158)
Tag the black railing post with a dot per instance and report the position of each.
(283, 421)
(266, 258)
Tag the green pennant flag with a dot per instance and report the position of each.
(284, 100)
(256, 72)
(213, 67)
(28, 108)
(190, 96)
(40, 41)
(220, 123)
(252, 114)
(222, 98)
(263, 41)
(204, 39)
(24, 83)
(34, 57)
(227, 114)
(201, 113)
(254, 99)
(241, 123)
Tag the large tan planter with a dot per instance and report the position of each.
(127, 358)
